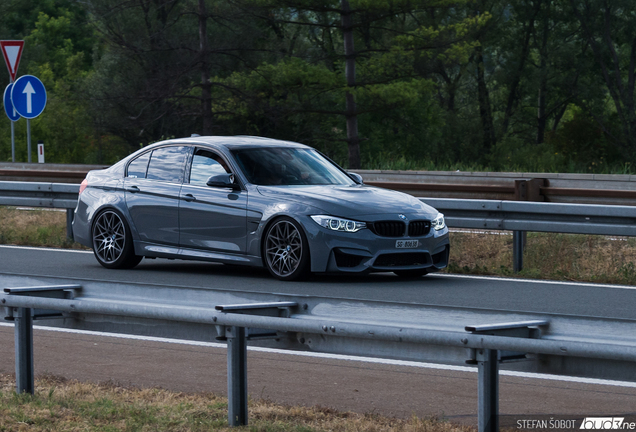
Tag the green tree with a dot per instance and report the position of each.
(350, 59)
(59, 45)
(610, 29)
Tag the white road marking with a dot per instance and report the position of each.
(44, 249)
(343, 357)
(541, 281)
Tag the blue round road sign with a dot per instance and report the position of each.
(8, 105)
(28, 96)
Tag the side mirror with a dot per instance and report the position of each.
(357, 177)
(222, 181)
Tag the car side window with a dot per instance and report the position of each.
(138, 167)
(206, 164)
(167, 164)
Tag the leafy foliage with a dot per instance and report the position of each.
(506, 85)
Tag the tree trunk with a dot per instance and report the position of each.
(353, 139)
(485, 111)
(206, 86)
(542, 119)
(513, 96)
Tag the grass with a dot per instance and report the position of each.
(42, 227)
(574, 257)
(547, 256)
(64, 405)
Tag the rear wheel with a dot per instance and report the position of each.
(112, 242)
(286, 251)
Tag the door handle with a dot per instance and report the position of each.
(189, 197)
(132, 189)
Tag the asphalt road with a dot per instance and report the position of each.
(435, 289)
(390, 389)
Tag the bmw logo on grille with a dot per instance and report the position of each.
(401, 216)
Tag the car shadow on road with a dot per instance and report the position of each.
(255, 273)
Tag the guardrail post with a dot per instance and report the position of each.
(487, 361)
(488, 390)
(236, 376)
(69, 224)
(517, 250)
(23, 319)
(237, 351)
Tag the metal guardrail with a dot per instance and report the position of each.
(539, 342)
(32, 194)
(34, 172)
(543, 187)
(49, 195)
(607, 189)
(539, 217)
(520, 217)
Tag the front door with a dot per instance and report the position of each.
(211, 218)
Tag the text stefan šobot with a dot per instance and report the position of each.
(589, 423)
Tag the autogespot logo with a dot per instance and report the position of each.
(607, 423)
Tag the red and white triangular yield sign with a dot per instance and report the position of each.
(12, 51)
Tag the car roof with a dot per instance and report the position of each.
(234, 142)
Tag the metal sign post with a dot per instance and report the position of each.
(29, 140)
(12, 142)
(13, 116)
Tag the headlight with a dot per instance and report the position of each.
(438, 223)
(338, 224)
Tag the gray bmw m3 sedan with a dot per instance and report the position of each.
(257, 202)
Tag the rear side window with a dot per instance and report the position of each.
(138, 167)
(167, 164)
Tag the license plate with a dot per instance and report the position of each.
(407, 244)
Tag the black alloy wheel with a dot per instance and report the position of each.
(112, 242)
(286, 250)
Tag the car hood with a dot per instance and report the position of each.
(350, 201)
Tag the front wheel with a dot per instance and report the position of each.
(112, 242)
(286, 251)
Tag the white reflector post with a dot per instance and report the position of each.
(40, 152)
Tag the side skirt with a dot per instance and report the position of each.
(173, 252)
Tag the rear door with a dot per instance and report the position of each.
(152, 184)
(211, 218)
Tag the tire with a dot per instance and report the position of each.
(285, 250)
(112, 242)
(411, 273)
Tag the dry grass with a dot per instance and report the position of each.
(63, 405)
(39, 227)
(547, 256)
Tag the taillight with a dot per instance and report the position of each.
(83, 186)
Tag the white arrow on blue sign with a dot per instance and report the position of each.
(28, 96)
(8, 105)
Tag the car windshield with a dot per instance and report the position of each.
(288, 167)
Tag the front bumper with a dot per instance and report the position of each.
(364, 251)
